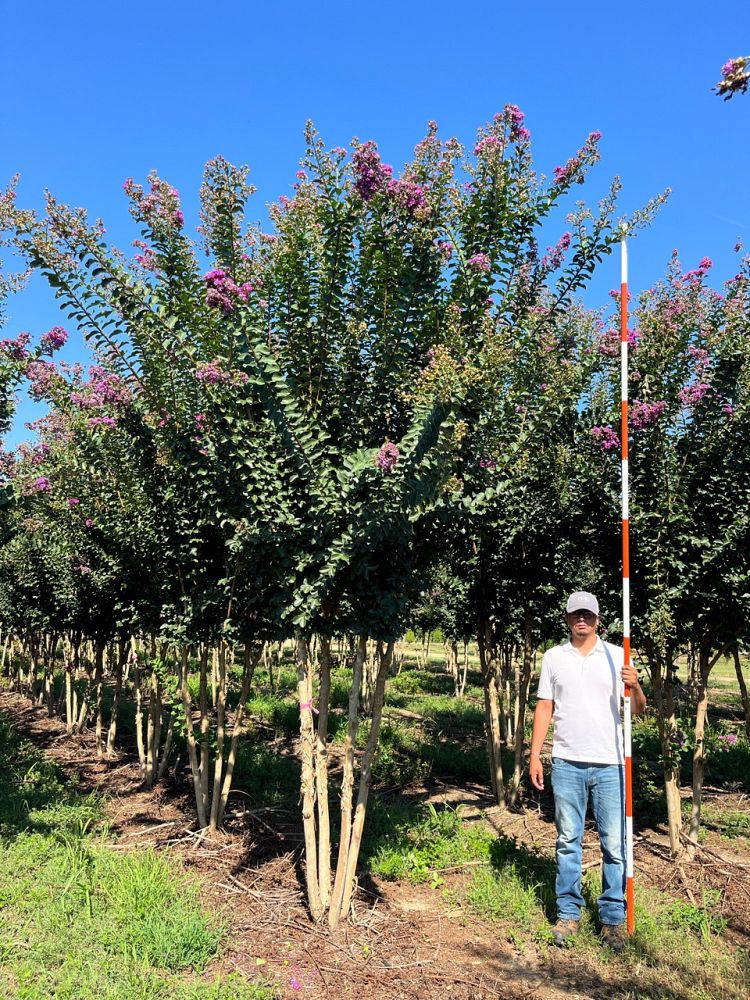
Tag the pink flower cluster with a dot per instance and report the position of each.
(387, 457)
(54, 339)
(95, 422)
(160, 207)
(407, 194)
(445, 249)
(42, 375)
(372, 174)
(103, 388)
(211, 373)
(554, 256)
(691, 395)
(644, 414)
(700, 271)
(610, 343)
(515, 118)
(147, 259)
(16, 349)
(606, 436)
(222, 292)
(479, 262)
(487, 463)
(42, 484)
(573, 169)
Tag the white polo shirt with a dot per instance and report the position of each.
(587, 692)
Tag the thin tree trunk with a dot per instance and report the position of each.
(667, 724)
(307, 789)
(522, 694)
(112, 733)
(221, 708)
(321, 772)
(699, 752)
(99, 689)
(192, 744)
(347, 782)
(491, 713)
(205, 723)
(365, 780)
(250, 663)
(743, 688)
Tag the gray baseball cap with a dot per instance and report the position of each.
(581, 601)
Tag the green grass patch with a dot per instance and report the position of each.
(80, 920)
(424, 842)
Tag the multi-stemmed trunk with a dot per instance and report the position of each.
(322, 897)
(488, 665)
(666, 717)
(522, 695)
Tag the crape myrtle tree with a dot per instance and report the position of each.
(690, 490)
(312, 396)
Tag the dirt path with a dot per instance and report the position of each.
(404, 941)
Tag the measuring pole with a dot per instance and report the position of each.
(627, 722)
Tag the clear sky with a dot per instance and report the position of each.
(92, 94)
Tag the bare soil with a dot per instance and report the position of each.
(404, 941)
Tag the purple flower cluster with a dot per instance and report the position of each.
(488, 145)
(103, 388)
(73, 502)
(211, 373)
(644, 414)
(606, 436)
(554, 255)
(727, 740)
(573, 169)
(95, 422)
(487, 463)
(700, 271)
(727, 408)
(147, 259)
(479, 262)
(610, 344)
(372, 174)
(387, 457)
(735, 77)
(515, 117)
(54, 339)
(16, 349)
(42, 375)
(41, 485)
(222, 292)
(445, 249)
(691, 395)
(407, 194)
(160, 207)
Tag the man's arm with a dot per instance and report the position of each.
(637, 696)
(542, 719)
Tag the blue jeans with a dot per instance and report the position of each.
(573, 784)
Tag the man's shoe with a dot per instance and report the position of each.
(564, 931)
(613, 935)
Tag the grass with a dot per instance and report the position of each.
(80, 920)
(677, 951)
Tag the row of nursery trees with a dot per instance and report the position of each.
(394, 393)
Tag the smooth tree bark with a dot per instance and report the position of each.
(490, 687)
(522, 696)
(743, 688)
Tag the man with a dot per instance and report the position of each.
(581, 687)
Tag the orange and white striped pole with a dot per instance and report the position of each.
(626, 722)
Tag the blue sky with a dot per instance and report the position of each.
(94, 94)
